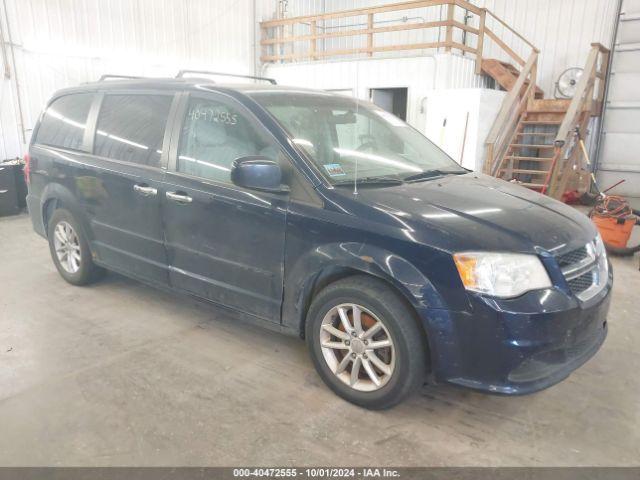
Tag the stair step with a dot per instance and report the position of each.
(505, 74)
(528, 145)
(541, 122)
(529, 159)
(524, 170)
(550, 105)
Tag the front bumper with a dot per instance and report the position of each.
(516, 346)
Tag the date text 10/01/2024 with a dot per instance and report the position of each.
(316, 472)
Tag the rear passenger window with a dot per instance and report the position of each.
(213, 135)
(63, 123)
(131, 128)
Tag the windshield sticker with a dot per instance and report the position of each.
(392, 119)
(334, 169)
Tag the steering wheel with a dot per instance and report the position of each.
(367, 142)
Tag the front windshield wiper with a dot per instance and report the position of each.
(370, 181)
(427, 174)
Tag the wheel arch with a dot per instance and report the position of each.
(334, 262)
(56, 196)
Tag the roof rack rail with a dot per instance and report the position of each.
(107, 76)
(207, 72)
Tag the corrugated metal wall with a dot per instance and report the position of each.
(562, 30)
(58, 43)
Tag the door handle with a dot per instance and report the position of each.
(179, 197)
(145, 190)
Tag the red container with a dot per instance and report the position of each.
(615, 231)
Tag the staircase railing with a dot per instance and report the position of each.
(586, 102)
(513, 105)
(307, 38)
(501, 43)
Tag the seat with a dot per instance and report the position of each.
(211, 149)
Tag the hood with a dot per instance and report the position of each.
(477, 211)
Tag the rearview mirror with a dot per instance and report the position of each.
(257, 172)
(344, 118)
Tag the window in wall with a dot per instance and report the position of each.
(131, 128)
(64, 122)
(213, 135)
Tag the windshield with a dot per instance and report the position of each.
(345, 138)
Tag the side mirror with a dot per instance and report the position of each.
(257, 172)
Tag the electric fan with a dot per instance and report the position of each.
(567, 82)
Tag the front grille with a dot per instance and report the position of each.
(572, 257)
(581, 283)
(584, 270)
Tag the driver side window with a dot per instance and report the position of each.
(214, 133)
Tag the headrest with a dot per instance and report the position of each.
(207, 132)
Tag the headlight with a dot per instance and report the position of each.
(501, 274)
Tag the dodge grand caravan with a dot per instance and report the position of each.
(324, 217)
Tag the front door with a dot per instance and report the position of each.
(224, 243)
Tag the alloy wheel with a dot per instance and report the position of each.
(357, 347)
(67, 247)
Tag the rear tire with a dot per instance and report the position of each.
(70, 250)
(386, 345)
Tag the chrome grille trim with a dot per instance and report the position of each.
(587, 263)
(574, 256)
(589, 274)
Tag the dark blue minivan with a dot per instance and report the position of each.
(324, 217)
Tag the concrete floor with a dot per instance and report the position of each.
(121, 374)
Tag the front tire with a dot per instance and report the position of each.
(365, 342)
(70, 250)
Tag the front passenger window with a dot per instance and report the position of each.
(213, 135)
